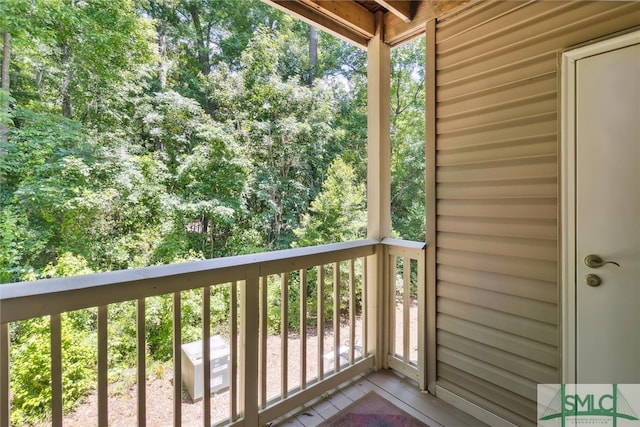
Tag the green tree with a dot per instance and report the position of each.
(287, 129)
(338, 213)
(206, 169)
(407, 141)
(83, 57)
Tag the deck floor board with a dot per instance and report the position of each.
(399, 390)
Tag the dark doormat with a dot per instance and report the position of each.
(372, 410)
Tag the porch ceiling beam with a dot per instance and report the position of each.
(400, 8)
(345, 20)
(347, 13)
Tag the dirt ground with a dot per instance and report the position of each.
(159, 390)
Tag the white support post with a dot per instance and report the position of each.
(378, 180)
(430, 180)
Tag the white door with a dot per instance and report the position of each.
(607, 215)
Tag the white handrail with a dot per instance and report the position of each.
(25, 300)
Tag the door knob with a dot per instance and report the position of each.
(594, 261)
(593, 280)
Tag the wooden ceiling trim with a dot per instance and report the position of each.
(354, 20)
(400, 8)
(348, 13)
(313, 17)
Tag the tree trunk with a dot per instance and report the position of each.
(66, 83)
(313, 55)
(4, 108)
(163, 66)
(202, 42)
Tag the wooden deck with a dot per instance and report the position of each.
(399, 390)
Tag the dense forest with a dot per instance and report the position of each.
(138, 133)
(144, 132)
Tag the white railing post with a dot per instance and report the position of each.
(4, 375)
(177, 359)
(103, 366)
(303, 328)
(262, 349)
(56, 370)
(284, 335)
(141, 361)
(249, 303)
(206, 355)
(235, 356)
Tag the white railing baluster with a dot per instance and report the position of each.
(56, 370)
(4, 375)
(365, 311)
(390, 324)
(284, 335)
(233, 351)
(103, 384)
(336, 316)
(320, 316)
(406, 309)
(177, 359)
(241, 344)
(303, 328)
(352, 310)
(141, 362)
(262, 368)
(206, 356)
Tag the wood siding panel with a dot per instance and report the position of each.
(496, 156)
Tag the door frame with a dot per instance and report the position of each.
(568, 192)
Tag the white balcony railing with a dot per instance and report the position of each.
(336, 275)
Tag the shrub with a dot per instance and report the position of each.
(31, 369)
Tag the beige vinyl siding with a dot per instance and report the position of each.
(497, 194)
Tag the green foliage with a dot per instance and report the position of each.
(338, 213)
(67, 265)
(31, 369)
(274, 303)
(159, 320)
(407, 141)
(206, 171)
(79, 53)
(5, 116)
(289, 134)
(20, 244)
